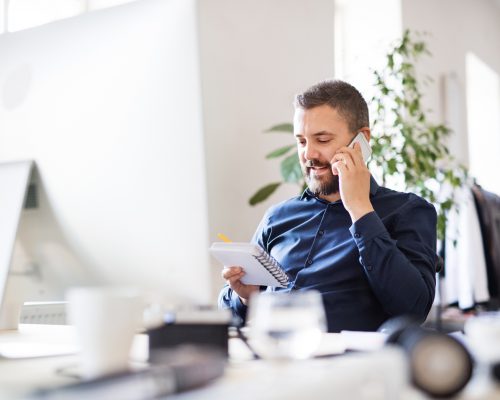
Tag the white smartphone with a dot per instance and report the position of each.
(365, 146)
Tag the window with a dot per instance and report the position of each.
(483, 115)
(363, 31)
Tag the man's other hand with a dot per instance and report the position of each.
(232, 276)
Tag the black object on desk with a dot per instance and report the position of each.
(207, 328)
(185, 368)
(209, 335)
(440, 365)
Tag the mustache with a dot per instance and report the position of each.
(315, 163)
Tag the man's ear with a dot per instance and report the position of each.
(366, 131)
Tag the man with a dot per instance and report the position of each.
(370, 251)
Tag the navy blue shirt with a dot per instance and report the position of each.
(381, 266)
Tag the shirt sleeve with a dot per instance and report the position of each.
(228, 299)
(400, 265)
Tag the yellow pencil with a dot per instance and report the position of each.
(224, 238)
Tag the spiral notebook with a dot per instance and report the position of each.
(260, 268)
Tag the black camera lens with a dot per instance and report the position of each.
(440, 365)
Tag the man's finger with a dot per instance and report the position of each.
(339, 167)
(341, 157)
(358, 154)
(228, 272)
(235, 282)
(355, 153)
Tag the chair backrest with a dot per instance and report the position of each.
(439, 263)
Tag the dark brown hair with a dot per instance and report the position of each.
(339, 95)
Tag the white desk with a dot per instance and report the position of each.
(356, 376)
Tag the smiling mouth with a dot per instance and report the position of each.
(317, 171)
(314, 165)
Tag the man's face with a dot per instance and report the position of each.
(320, 132)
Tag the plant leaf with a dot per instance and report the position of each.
(285, 127)
(263, 193)
(290, 169)
(279, 152)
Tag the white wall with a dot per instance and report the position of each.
(456, 27)
(255, 55)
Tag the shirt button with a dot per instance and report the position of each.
(369, 267)
(357, 235)
(321, 232)
(309, 262)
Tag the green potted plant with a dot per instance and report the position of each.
(406, 146)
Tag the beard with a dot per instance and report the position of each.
(325, 184)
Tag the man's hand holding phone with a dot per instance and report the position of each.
(349, 163)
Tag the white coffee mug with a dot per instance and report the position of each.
(106, 320)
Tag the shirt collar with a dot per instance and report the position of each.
(307, 194)
(373, 186)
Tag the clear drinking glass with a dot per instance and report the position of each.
(286, 325)
(483, 336)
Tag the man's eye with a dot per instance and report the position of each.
(323, 140)
(301, 142)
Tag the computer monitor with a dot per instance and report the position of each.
(108, 106)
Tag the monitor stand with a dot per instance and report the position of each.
(14, 181)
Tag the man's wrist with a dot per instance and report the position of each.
(360, 211)
(243, 301)
(251, 290)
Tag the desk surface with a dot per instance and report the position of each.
(379, 375)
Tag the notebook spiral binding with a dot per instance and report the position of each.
(273, 267)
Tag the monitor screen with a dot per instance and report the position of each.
(108, 106)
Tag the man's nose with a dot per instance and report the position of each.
(310, 152)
